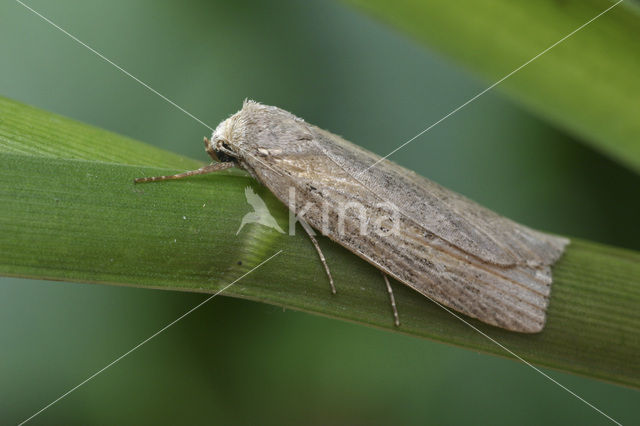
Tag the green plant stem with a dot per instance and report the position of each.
(588, 84)
(69, 211)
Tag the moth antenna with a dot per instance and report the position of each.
(210, 168)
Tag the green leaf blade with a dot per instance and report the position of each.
(70, 219)
(587, 84)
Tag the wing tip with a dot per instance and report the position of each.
(533, 327)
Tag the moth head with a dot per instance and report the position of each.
(220, 150)
(256, 135)
(221, 147)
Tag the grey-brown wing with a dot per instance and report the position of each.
(454, 218)
(492, 280)
(513, 297)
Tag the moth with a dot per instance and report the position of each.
(435, 241)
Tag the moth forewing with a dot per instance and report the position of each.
(434, 240)
(445, 246)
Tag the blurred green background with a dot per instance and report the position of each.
(243, 362)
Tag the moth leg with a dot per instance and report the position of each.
(209, 168)
(393, 300)
(322, 259)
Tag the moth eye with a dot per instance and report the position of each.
(224, 157)
(223, 152)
